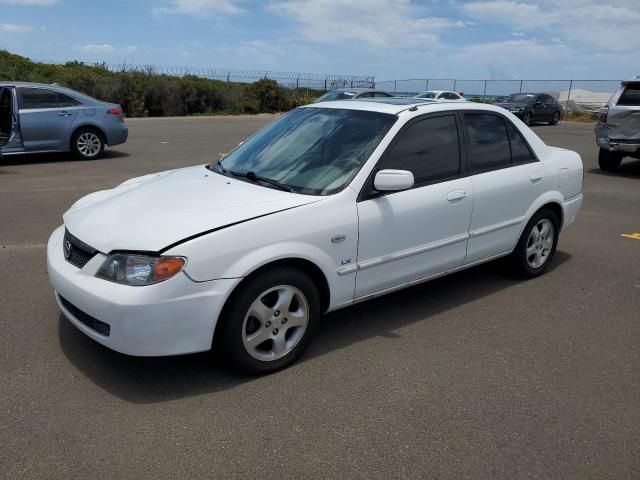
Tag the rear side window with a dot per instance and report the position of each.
(488, 141)
(32, 98)
(66, 101)
(520, 152)
(428, 148)
(631, 95)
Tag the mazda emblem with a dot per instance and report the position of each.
(67, 249)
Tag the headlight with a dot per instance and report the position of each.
(136, 269)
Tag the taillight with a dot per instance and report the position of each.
(604, 111)
(115, 111)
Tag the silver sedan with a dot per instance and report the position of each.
(37, 118)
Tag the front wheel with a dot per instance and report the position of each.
(537, 244)
(526, 118)
(608, 160)
(87, 144)
(270, 320)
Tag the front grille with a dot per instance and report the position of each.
(86, 319)
(77, 253)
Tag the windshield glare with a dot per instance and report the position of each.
(427, 95)
(520, 98)
(315, 151)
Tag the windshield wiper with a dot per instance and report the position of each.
(251, 175)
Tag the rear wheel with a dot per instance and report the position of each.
(555, 118)
(270, 320)
(609, 160)
(87, 144)
(537, 244)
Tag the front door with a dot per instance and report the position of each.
(46, 117)
(416, 233)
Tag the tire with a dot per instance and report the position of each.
(87, 144)
(257, 332)
(534, 251)
(608, 160)
(526, 118)
(555, 118)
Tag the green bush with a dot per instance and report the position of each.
(144, 94)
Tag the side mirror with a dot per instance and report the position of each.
(393, 180)
(538, 102)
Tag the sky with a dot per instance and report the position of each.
(388, 39)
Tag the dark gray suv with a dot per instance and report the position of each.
(618, 126)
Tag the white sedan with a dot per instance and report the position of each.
(331, 204)
(442, 95)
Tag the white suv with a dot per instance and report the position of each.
(331, 204)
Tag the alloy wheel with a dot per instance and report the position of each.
(275, 323)
(540, 243)
(89, 144)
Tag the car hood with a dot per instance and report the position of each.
(156, 211)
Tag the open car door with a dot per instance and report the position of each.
(10, 138)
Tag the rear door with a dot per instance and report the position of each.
(507, 178)
(623, 119)
(539, 109)
(416, 233)
(46, 117)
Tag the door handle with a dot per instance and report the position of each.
(456, 195)
(64, 114)
(536, 176)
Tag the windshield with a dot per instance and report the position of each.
(315, 151)
(520, 98)
(336, 95)
(427, 95)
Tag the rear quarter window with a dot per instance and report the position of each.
(630, 95)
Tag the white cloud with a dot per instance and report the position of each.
(583, 24)
(33, 3)
(14, 28)
(107, 49)
(374, 23)
(200, 7)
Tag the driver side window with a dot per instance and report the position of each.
(428, 148)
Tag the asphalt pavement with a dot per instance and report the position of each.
(475, 375)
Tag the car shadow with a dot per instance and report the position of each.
(159, 379)
(39, 158)
(630, 167)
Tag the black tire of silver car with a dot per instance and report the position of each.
(537, 244)
(87, 144)
(609, 160)
(526, 118)
(555, 118)
(269, 320)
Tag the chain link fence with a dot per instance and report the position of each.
(574, 95)
(317, 81)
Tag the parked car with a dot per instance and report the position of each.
(351, 94)
(332, 204)
(442, 95)
(38, 118)
(533, 107)
(618, 126)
